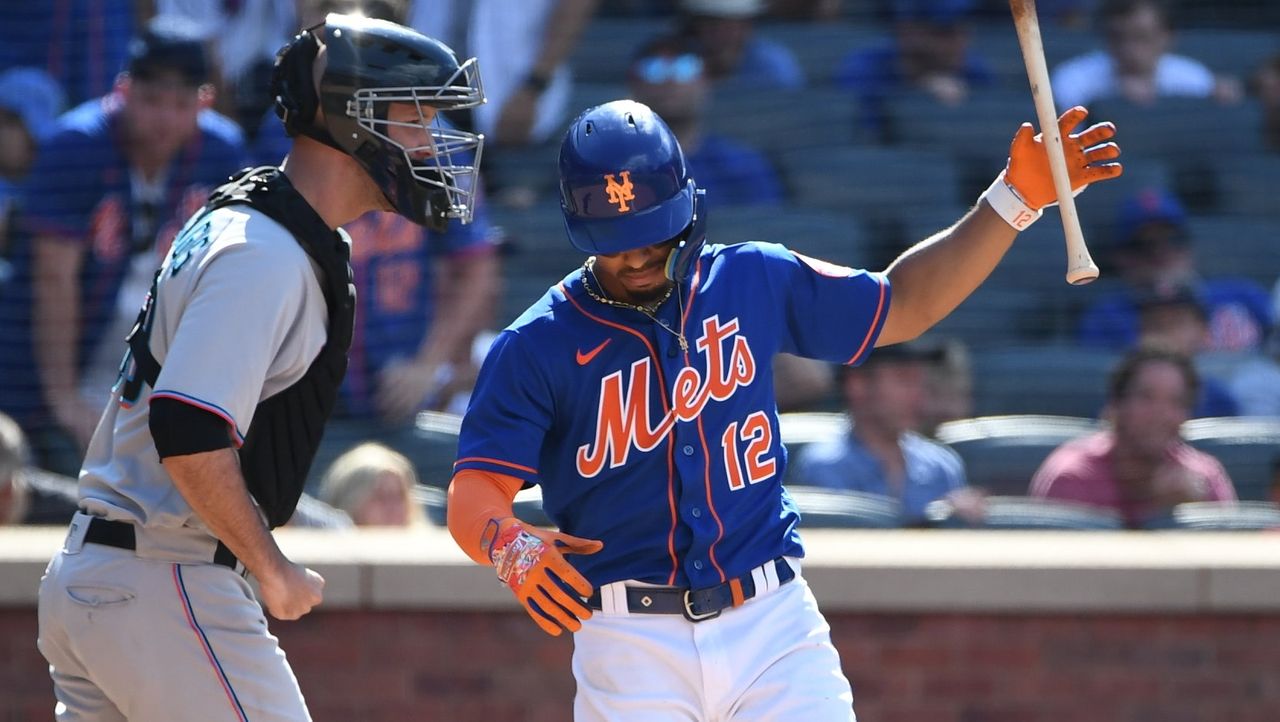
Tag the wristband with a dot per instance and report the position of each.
(1004, 200)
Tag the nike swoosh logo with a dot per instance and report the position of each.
(585, 358)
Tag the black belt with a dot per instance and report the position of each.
(121, 535)
(696, 604)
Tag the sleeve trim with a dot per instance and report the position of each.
(204, 406)
(877, 323)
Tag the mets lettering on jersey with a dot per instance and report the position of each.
(671, 457)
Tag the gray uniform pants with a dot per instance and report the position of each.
(147, 640)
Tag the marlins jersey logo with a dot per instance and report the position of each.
(620, 193)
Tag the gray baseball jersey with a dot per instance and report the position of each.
(236, 321)
(239, 316)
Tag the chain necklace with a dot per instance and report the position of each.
(650, 310)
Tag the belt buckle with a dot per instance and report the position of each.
(690, 615)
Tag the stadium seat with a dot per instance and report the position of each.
(996, 315)
(822, 508)
(777, 121)
(820, 47)
(821, 234)
(1021, 512)
(605, 47)
(1219, 516)
(1233, 51)
(1001, 453)
(1099, 205)
(1235, 246)
(1246, 446)
(873, 183)
(997, 43)
(433, 500)
(531, 167)
(1246, 185)
(1054, 379)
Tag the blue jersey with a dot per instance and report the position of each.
(672, 458)
(392, 263)
(80, 190)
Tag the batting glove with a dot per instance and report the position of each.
(531, 561)
(1025, 188)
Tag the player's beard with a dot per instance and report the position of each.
(648, 296)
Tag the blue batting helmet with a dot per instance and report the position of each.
(624, 185)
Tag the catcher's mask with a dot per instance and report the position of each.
(624, 185)
(370, 65)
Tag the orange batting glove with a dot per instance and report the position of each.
(1025, 188)
(531, 561)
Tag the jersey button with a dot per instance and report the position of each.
(688, 450)
(697, 565)
(697, 513)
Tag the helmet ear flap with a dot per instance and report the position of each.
(292, 84)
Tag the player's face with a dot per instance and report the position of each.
(161, 113)
(1147, 419)
(410, 128)
(635, 276)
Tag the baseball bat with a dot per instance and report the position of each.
(1080, 266)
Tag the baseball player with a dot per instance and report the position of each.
(638, 393)
(232, 369)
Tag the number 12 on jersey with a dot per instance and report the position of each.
(745, 449)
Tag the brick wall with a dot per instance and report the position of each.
(463, 667)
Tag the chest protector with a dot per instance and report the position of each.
(286, 430)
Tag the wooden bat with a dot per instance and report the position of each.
(1080, 266)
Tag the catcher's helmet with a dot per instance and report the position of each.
(624, 185)
(370, 64)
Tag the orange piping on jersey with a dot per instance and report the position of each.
(706, 477)
(499, 462)
(875, 321)
(657, 365)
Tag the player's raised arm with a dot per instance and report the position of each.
(931, 278)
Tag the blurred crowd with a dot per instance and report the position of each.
(844, 128)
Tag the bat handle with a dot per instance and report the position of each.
(1080, 266)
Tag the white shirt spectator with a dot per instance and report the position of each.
(1090, 77)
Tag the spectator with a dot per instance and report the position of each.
(83, 44)
(883, 453)
(108, 192)
(1136, 64)
(30, 101)
(725, 31)
(523, 48)
(1153, 250)
(949, 394)
(27, 494)
(243, 37)
(1256, 382)
(929, 51)
(374, 486)
(1174, 318)
(1139, 467)
(1266, 86)
(669, 76)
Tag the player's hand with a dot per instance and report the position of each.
(404, 387)
(1087, 154)
(291, 592)
(531, 561)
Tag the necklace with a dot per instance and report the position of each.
(650, 310)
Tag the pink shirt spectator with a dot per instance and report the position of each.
(1082, 471)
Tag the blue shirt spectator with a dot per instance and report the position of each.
(669, 75)
(1153, 252)
(83, 44)
(932, 470)
(883, 453)
(929, 51)
(724, 30)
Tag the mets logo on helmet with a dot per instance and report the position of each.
(619, 193)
